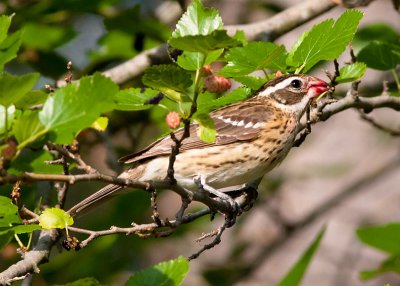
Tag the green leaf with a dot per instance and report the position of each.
(207, 131)
(293, 278)
(18, 229)
(75, 107)
(55, 218)
(383, 237)
(169, 273)
(169, 79)
(5, 22)
(253, 82)
(9, 48)
(325, 41)
(14, 88)
(198, 20)
(8, 212)
(252, 57)
(218, 39)
(100, 124)
(50, 36)
(212, 56)
(27, 128)
(380, 55)
(88, 281)
(351, 72)
(25, 228)
(193, 61)
(32, 98)
(136, 99)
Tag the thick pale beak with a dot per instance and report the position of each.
(316, 87)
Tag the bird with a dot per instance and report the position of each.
(252, 137)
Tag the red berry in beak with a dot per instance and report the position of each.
(316, 87)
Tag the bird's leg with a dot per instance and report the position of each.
(235, 209)
(250, 189)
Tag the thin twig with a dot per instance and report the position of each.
(75, 157)
(306, 132)
(378, 125)
(72, 179)
(153, 203)
(140, 230)
(63, 189)
(213, 243)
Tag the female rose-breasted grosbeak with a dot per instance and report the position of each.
(253, 137)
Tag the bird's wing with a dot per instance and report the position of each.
(237, 122)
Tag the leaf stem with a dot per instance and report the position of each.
(21, 245)
(299, 69)
(30, 240)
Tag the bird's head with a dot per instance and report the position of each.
(293, 92)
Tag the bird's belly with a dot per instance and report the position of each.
(233, 165)
(220, 166)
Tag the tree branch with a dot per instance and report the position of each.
(31, 259)
(350, 101)
(378, 125)
(284, 21)
(143, 230)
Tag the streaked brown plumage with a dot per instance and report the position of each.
(253, 137)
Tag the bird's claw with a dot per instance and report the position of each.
(234, 208)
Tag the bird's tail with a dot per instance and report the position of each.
(106, 192)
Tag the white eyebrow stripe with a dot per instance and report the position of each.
(279, 86)
(248, 125)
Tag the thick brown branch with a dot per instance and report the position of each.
(31, 259)
(285, 21)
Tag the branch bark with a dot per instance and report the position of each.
(32, 259)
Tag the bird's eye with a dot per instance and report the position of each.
(295, 83)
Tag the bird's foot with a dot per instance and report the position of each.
(234, 209)
(251, 197)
